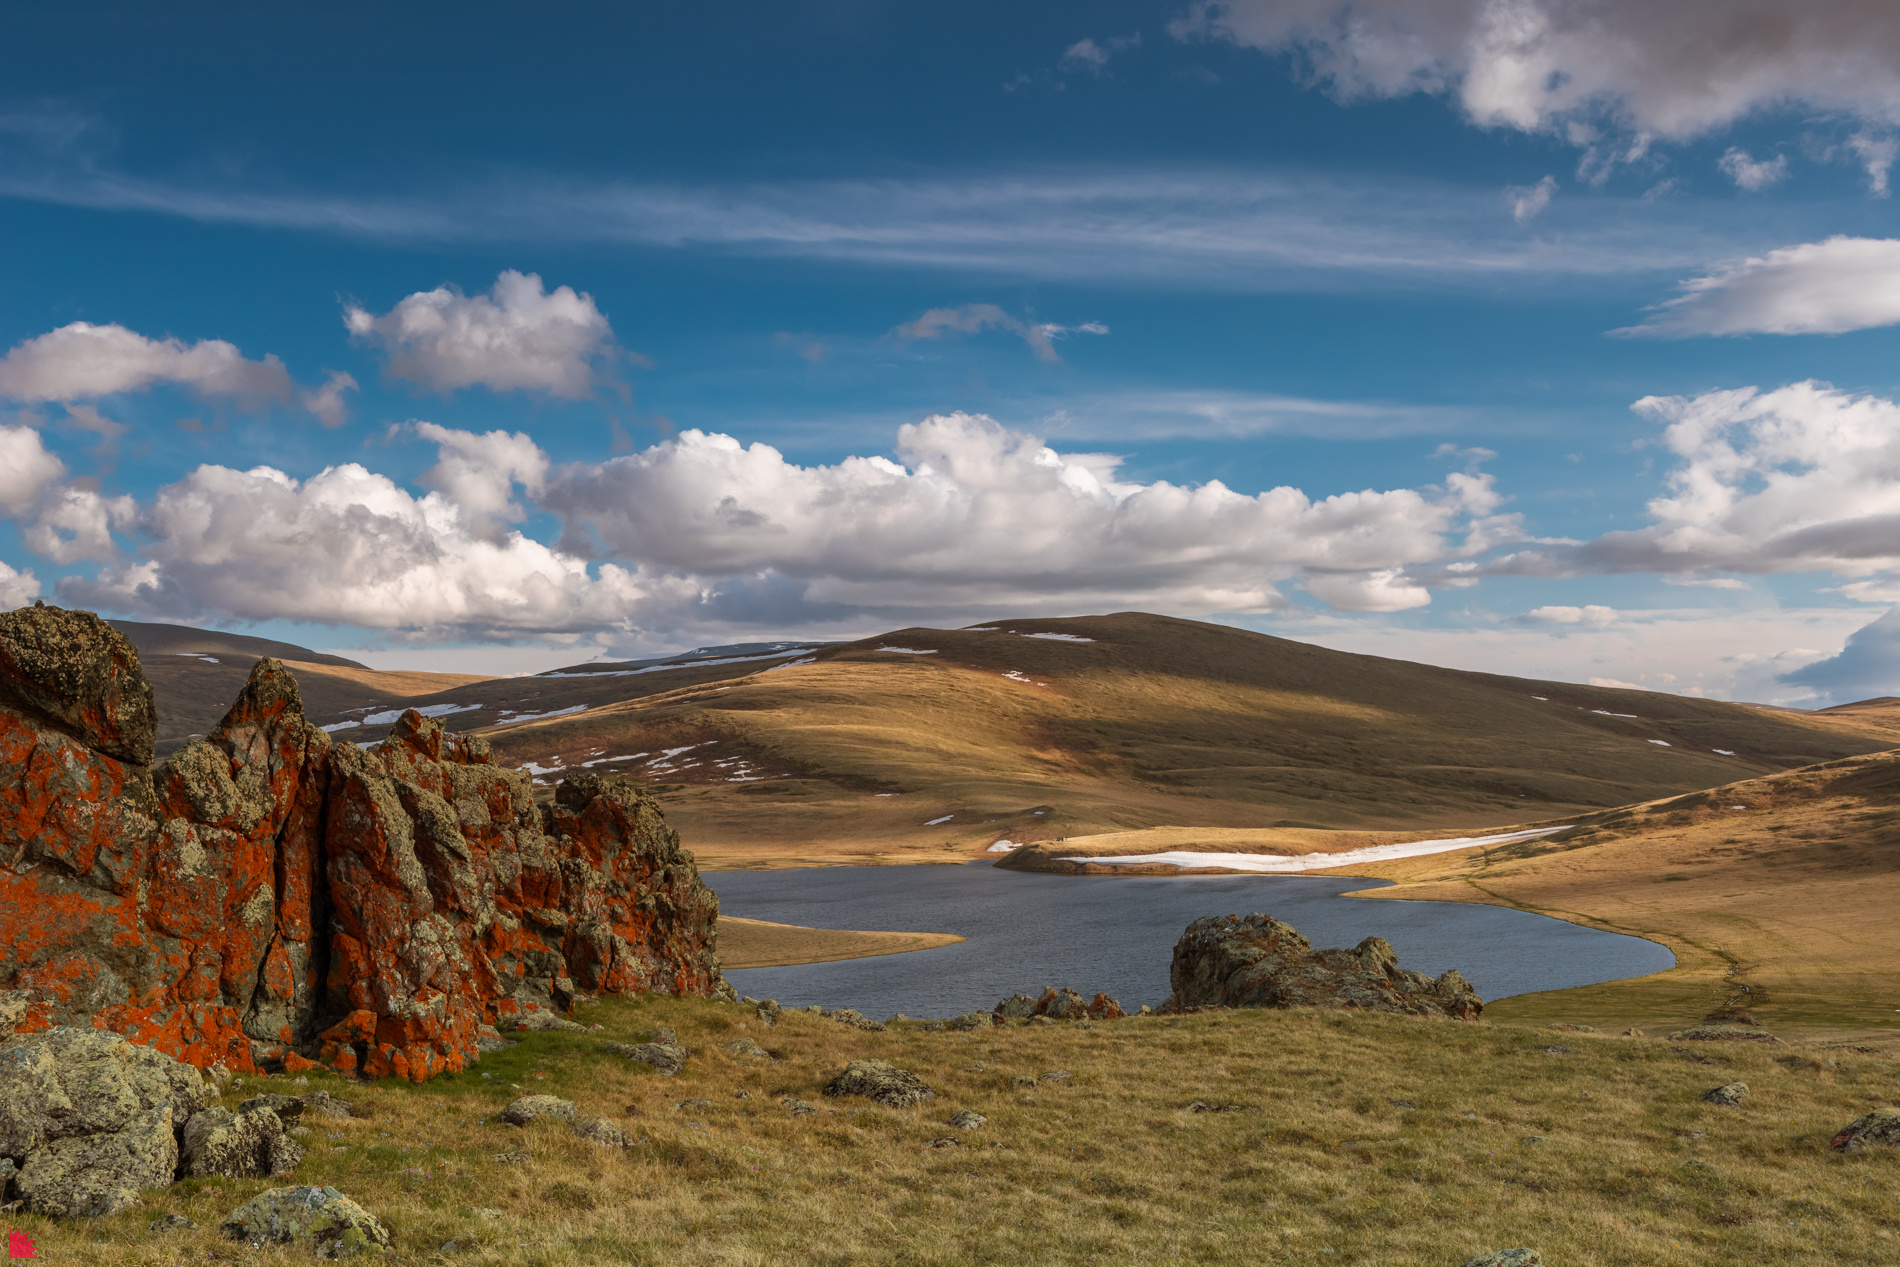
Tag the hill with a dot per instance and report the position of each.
(1776, 894)
(928, 745)
(196, 673)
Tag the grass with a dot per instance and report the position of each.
(1357, 1139)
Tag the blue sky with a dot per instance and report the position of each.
(483, 338)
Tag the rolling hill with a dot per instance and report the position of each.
(927, 745)
(196, 673)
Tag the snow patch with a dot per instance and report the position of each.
(335, 726)
(533, 768)
(683, 664)
(509, 719)
(1003, 846)
(1314, 861)
(1724, 751)
(792, 664)
(1661, 743)
(1600, 713)
(389, 716)
(937, 822)
(632, 756)
(1060, 637)
(197, 655)
(909, 650)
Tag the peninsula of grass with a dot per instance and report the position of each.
(1320, 1136)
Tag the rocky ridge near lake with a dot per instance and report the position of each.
(1258, 961)
(271, 898)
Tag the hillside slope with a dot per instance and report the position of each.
(929, 744)
(196, 673)
(1777, 894)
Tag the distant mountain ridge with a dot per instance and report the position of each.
(154, 640)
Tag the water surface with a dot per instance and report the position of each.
(1117, 933)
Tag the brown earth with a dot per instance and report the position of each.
(757, 943)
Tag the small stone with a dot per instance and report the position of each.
(660, 1034)
(1039, 1020)
(529, 1107)
(973, 1020)
(321, 1218)
(487, 1212)
(746, 1047)
(323, 1104)
(171, 1223)
(742, 1095)
(1022, 1080)
(1731, 1094)
(537, 1022)
(513, 1159)
(854, 1018)
(288, 1108)
(945, 1142)
(881, 1081)
(687, 1105)
(1057, 1075)
(668, 1058)
(1507, 1258)
(598, 1130)
(967, 1119)
(1882, 1126)
(799, 1108)
(1401, 1104)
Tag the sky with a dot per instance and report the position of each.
(1540, 337)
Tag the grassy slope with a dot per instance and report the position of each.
(1775, 893)
(1589, 1148)
(1155, 722)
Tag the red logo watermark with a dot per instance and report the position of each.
(18, 1246)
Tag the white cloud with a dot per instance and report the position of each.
(1087, 54)
(972, 318)
(326, 402)
(478, 475)
(1591, 615)
(349, 546)
(1827, 287)
(1867, 666)
(1528, 201)
(1805, 478)
(1751, 174)
(1877, 154)
(977, 514)
(17, 588)
(74, 524)
(82, 362)
(26, 470)
(1671, 71)
(518, 337)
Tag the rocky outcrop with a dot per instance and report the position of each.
(89, 1119)
(1257, 961)
(269, 898)
(1882, 1126)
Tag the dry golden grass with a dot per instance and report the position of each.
(1154, 722)
(758, 943)
(1357, 1139)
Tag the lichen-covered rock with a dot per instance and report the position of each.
(1731, 1094)
(1257, 961)
(1507, 1258)
(854, 1018)
(321, 1218)
(967, 1119)
(746, 1047)
(598, 1130)
(323, 1104)
(98, 1174)
(881, 1081)
(1068, 1005)
(268, 897)
(1882, 1126)
(1017, 1007)
(528, 1108)
(247, 1145)
(668, 1058)
(288, 1108)
(538, 1022)
(1722, 1034)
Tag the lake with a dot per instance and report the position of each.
(1117, 934)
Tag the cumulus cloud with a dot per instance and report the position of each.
(971, 318)
(1868, 666)
(1752, 174)
(1805, 478)
(74, 524)
(326, 402)
(1827, 287)
(1528, 201)
(1644, 69)
(975, 512)
(478, 475)
(83, 361)
(518, 337)
(17, 588)
(1591, 615)
(26, 470)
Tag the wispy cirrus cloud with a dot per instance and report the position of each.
(1190, 228)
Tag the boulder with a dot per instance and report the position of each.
(1882, 1126)
(967, 1119)
(746, 1047)
(668, 1058)
(530, 1107)
(1017, 1007)
(267, 897)
(973, 1020)
(246, 1145)
(323, 1104)
(881, 1081)
(93, 1116)
(540, 1022)
(854, 1018)
(320, 1219)
(1257, 961)
(598, 1130)
(1732, 1094)
(1067, 1005)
